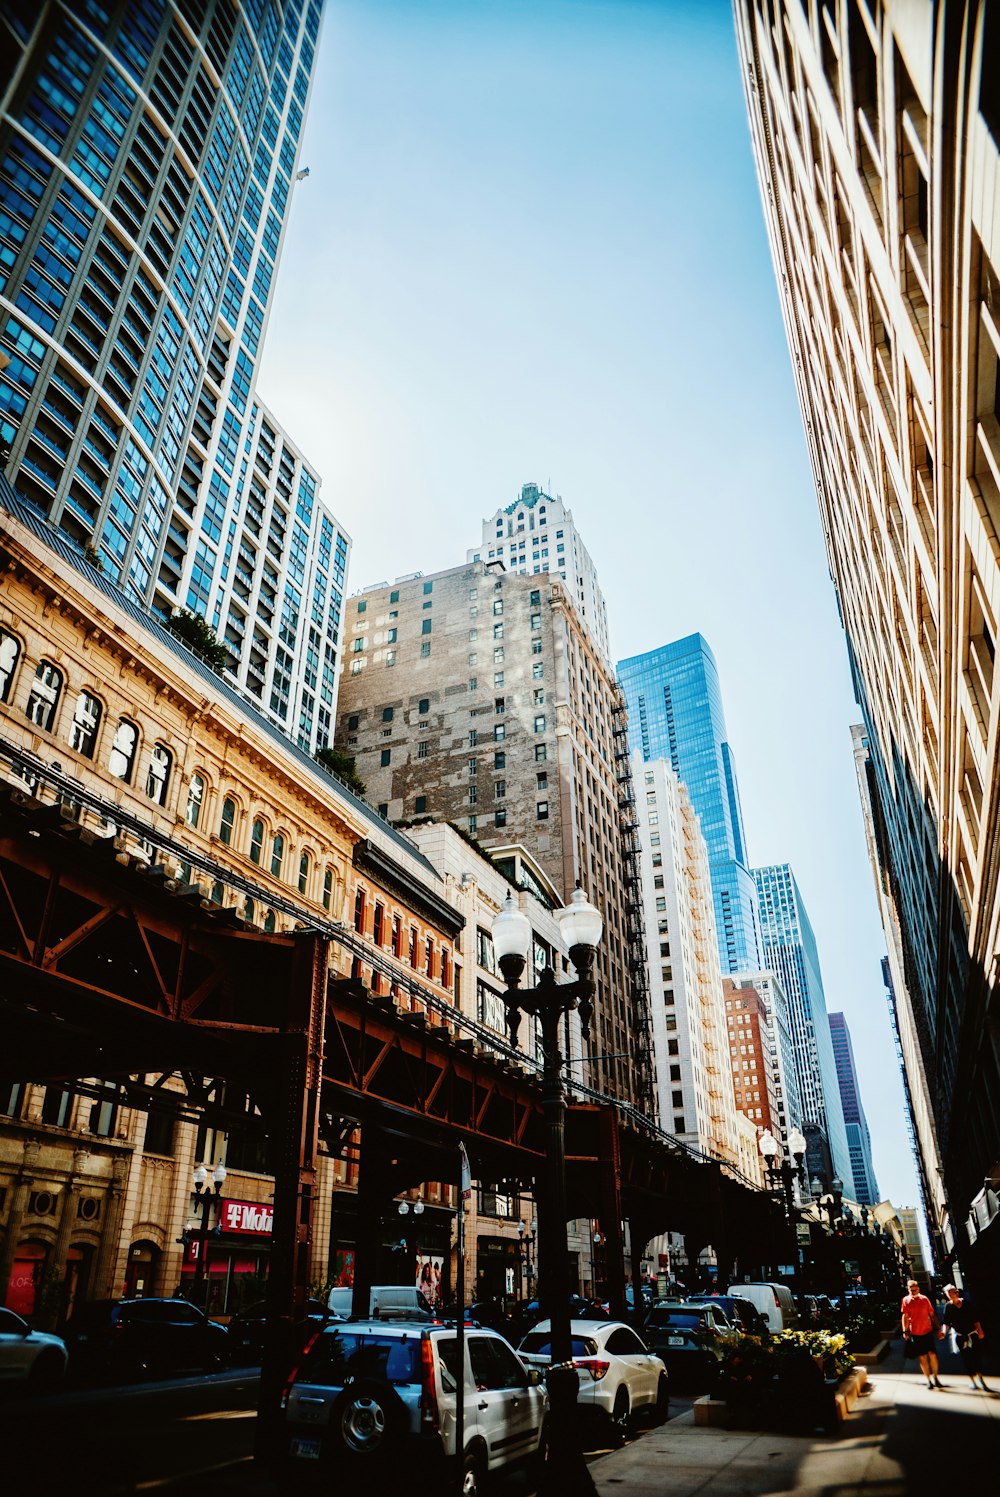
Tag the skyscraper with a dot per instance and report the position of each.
(876, 133)
(787, 1115)
(537, 534)
(147, 157)
(859, 1142)
(790, 951)
(475, 695)
(675, 713)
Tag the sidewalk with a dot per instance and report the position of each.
(902, 1440)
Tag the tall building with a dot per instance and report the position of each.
(750, 1045)
(537, 534)
(675, 713)
(693, 1091)
(784, 1081)
(790, 951)
(859, 1142)
(876, 133)
(476, 696)
(147, 157)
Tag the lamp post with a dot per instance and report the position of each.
(581, 927)
(203, 1199)
(594, 1246)
(831, 1206)
(526, 1241)
(784, 1176)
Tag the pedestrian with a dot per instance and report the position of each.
(961, 1319)
(919, 1325)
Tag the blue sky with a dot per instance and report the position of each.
(531, 248)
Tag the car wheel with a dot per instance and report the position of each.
(46, 1373)
(367, 1419)
(662, 1406)
(472, 1475)
(620, 1418)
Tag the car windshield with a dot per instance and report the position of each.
(539, 1344)
(338, 1355)
(681, 1318)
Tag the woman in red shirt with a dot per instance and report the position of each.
(920, 1322)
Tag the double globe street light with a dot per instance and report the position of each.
(203, 1198)
(581, 927)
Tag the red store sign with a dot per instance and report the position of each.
(252, 1218)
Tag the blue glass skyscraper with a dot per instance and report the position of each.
(859, 1140)
(790, 950)
(675, 713)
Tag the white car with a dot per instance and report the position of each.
(619, 1375)
(377, 1398)
(28, 1356)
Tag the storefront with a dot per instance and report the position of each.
(236, 1259)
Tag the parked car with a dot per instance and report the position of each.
(374, 1398)
(385, 1302)
(741, 1314)
(130, 1338)
(619, 1375)
(774, 1301)
(579, 1309)
(248, 1329)
(687, 1337)
(31, 1357)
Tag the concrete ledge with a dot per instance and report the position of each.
(872, 1358)
(848, 1390)
(711, 1412)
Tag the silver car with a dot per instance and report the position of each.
(31, 1357)
(370, 1397)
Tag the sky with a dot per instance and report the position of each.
(530, 248)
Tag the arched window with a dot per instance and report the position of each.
(269, 921)
(277, 855)
(256, 841)
(10, 652)
(86, 720)
(228, 820)
(219, 891)
(249, 910)
(158, 773)
(195, 800)
(327, 888)
(122, 757)
(303, 873)
(44, 698)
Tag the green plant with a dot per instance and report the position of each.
(829, 1348)
(199, 637)
(342, 765)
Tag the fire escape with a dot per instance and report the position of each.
(635, 926)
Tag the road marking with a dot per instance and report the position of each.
(220, 1414)
(172, 1481)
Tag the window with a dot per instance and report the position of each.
(396, 939)
(359, 911)
(498, 678)
(429, 957)
(536, 647)
(158, 774)
(473, 737)
(122, 757)
(394, 596)
(500, 789)
(422, 750)
(498, 630)
(424, 706)
(473, 766)
(378, 923)
(327, 888)
(538, 671)
(542, 780)
(428, 588)
(420, 805)
(358, 644)
(499, 705)
(387, 714)
(44, 698)
(303, 873)
(277, 855)
(500, 759)
(498, 605)
(473, 795)
(256, 841)
(10, 652)
(540, 724)
(498, 732)
(390, 637)
(542, 810)
(227, 821)
(536, 621)
(538, 697)
(425, 626)
(86, 719)
(352, 723)
(385, 757)
(425, 650)
(390, 657)
(413, 945)
(362, 606)
(541, 752)
(500, 817)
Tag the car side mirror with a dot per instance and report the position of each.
(534, 1377)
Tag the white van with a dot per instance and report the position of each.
(774, 1301)
(386, 1302)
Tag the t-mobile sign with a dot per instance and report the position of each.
(250, 1217)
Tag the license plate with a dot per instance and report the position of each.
(306, 1449)
(675, 1340)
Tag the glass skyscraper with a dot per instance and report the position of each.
(148, 152)
(675, 713)
(790, 950)
(859, 1140)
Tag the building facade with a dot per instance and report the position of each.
(751, 1056)
(675, 713)
(537, 534)
(148, 154)
(476, 696)
(693, 1090)
(876, 132)
(781, 1051)
(790, 951)
(859, 1142)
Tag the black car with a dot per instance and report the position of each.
(741, 1314)
(687, 1338)
(247, 1331)
(124, 1339)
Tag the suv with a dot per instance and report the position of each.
(125, 1338)
(369, 1396)
(741, 1314)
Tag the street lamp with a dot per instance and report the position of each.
(784, 1176)
(581, 927)
(203, 1206)
(526, 1241)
